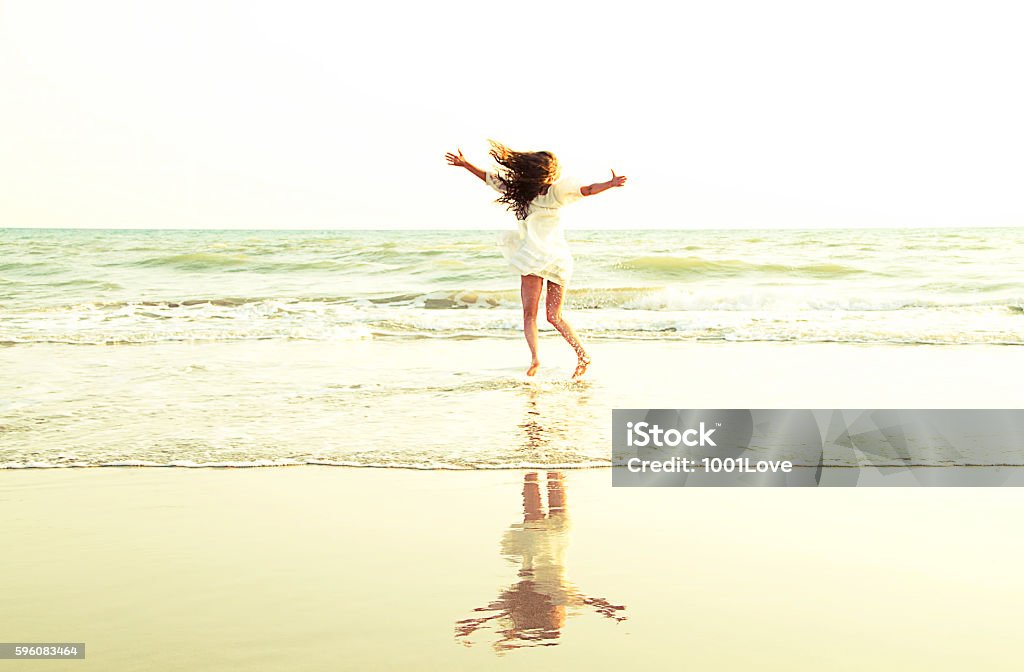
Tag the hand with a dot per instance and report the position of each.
(456, 159)
(617, 180)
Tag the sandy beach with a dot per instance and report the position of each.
(339, 567)
(316, 568)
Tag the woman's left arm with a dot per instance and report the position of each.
(459, 160)
(598, 187)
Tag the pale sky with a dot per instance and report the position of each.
(337, 115)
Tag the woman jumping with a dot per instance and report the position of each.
(531, 185)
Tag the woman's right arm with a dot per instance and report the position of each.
(459, 160)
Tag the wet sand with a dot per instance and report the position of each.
(339, 568)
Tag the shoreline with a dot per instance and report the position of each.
(522, 468)
(545, 333)
(969, 476)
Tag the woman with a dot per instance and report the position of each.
(531, 185)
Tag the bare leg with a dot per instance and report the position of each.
(556, 295)
(531, 289)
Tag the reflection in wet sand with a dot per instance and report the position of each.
(533, 610)
(556, 422)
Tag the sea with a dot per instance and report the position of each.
(254, 348)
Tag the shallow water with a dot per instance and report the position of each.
(954, 286)
(257, 403)
(442, 403)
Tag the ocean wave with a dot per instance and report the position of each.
(625, 312)
(137, 336)
(152, 287)
(221, 261)
(438, 261)
(86, 283)
(657, 298)
(193, 261)
(699, 266)
(943, 329)
(676, 298)
(32, 268)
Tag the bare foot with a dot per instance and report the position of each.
(581, 368)
(534, 365)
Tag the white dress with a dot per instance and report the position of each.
(538, 247)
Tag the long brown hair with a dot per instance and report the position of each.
(525, 176)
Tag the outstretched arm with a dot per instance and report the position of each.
(459, 161)
(598, 187)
